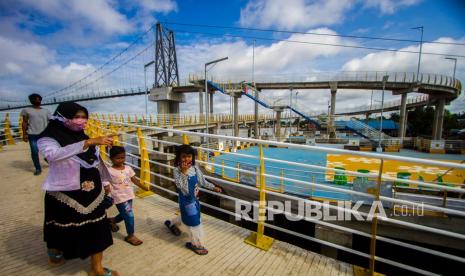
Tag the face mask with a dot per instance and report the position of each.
(77, 124)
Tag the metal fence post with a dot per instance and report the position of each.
(258, 239)
(144, 166)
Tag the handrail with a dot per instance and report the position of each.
(298, 146)
(410, 100)
(108, 124)
(361, 76)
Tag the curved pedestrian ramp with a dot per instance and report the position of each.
(22, 251)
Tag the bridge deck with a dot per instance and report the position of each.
(22, 251)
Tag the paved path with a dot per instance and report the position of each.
(22, 251)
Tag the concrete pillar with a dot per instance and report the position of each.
(256, 116)
(278, 125)
(406, 122)
(438, 119)
(201, 102)
(161, 146)
(167, 107)
(211, 103)
(236, 115)
(332, 133)
(403, 117)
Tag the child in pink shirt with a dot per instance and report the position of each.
(121, 189)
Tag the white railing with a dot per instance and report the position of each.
(368, 131)
(363, 76)
(293, 181)
(396, 103)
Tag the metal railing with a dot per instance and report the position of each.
(424, 99)
(362, 76)
(367, 131)
(378, 181)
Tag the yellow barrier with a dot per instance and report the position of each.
(258, 239)
(185, 139)
(103, 148)
(7, 129)
(144, 166)
(20, 125)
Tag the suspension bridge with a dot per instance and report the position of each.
(126, 75)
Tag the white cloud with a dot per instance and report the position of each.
(98, 15)
(277, 58)
(164, 6)
(27, 67)
(389, 6)
(16, 56)
(293, 14)
(301, 14)
(407, 62)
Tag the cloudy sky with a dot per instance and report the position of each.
(48, 46)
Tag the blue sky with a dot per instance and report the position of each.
(46, 45)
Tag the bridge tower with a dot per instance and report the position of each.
(166, 72)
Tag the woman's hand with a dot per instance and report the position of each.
(98, 141)
(218, 189)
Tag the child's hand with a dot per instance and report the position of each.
(107, 189)
(218, 189)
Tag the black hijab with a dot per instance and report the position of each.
(65, 136)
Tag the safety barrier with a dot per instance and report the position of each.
(185, 119)
(378, 182)
(8, 133)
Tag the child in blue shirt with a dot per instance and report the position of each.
(188, 178)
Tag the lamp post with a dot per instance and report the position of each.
(146, 89)
(380, 148)
(420, 28)
(207, 106)
(455, 64)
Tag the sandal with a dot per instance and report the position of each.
(107, 272)
(55, 259)
(173, 228)
(133, 240)
(198, 250)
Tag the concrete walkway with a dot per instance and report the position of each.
(23, 252)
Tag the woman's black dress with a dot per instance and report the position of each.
(75, 221)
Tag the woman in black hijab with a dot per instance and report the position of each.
(75, 223)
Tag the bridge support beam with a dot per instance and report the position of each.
(201, 103)
(167, 101)
(278, 125)
(438, 119)
(236, 115)
(211, 102)
(278, 110)
(403, 117)
(332, 130)
(167, 107)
